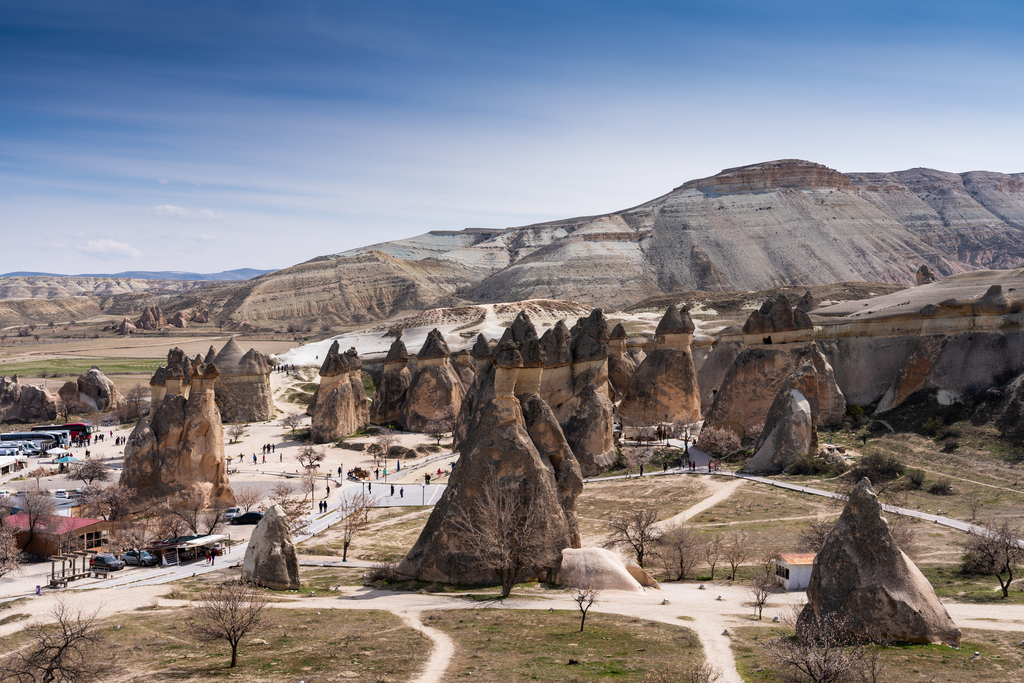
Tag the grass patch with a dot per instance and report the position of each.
(332, 645)
(73, 367)
(530, 645)
(11, 618)
(1001, 658)
(950, 583)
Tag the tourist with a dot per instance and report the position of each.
(392, 489)
(401, 493)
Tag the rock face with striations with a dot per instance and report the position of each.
(777, 340)
(243, 388)
(791, 429)
(513, 445)
(339, 407)
(861, 575)
(179, 449)
(435, 389)
(270, 559)
(390, 397)
(664, 387)
(25, 402)
(98, 390)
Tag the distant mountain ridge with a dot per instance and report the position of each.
(780, 223)
(236, 274)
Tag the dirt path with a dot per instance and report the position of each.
(725, 489)
(440, 657)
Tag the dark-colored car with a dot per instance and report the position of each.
(248, 518)
(132, 557)
(106, 561)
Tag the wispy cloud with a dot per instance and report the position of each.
(182, 213)
(208, 238)
(110, 249)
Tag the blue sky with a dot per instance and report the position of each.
(208, 136)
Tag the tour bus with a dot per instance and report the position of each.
(44, 441)
(76, 430)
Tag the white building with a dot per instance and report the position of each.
(793, 570)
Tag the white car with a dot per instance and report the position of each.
(231, 513)
(61, 493)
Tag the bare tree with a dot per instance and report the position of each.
(237, 431)
(680, 550)
(904, 532)
(11, 556)
(385, 440)
(211, 520)
(171, 526)
(67, 408)
(698, 672)
(38, 508)
(67, 650)
(228, 612)
(636, 531)
(735, 552)
(246, 496)
(761, 588)
(293, 421)
(995, 551)
(503, 532)
(133, 535)
(819, 653)
(112, 502)
(310, 457)
(294, 508)
(307, 482)
(37, 474)
(713, 553)
(88, 471)
(135, 400)
(718, 441)
(355, 512)
(441, 424)
(812, 536)
(188, 508)
(585, 599)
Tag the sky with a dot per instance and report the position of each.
(214, 135)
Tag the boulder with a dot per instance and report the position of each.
(390, 397)
(775, 317)
(924, 276)
(126, 327)
(601, 569)
(68, 393)
(514, 444)
(270, 557)
(863, 576)
(435, 389)
(98, 389)
(25, 402)
(179, 449)
(202, 316)
(664, 387)
(243, 389)
(339, 407)
(152, 318)
(179, 320)
(790, 430)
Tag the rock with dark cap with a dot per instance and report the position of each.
(390, 397)
(862, 576)
(270, 558)
(664, 387)
(179, 450)
(211, 355)
(776, 315)
(481, 349)
(434, 347)
(339, 407)
(436, 389)
(557, 343)
(515, 445)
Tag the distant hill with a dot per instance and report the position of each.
(237, 274)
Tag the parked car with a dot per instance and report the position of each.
(248, 518)
(231, 513)
(105, 561)
(133, 557)
(60, 493)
